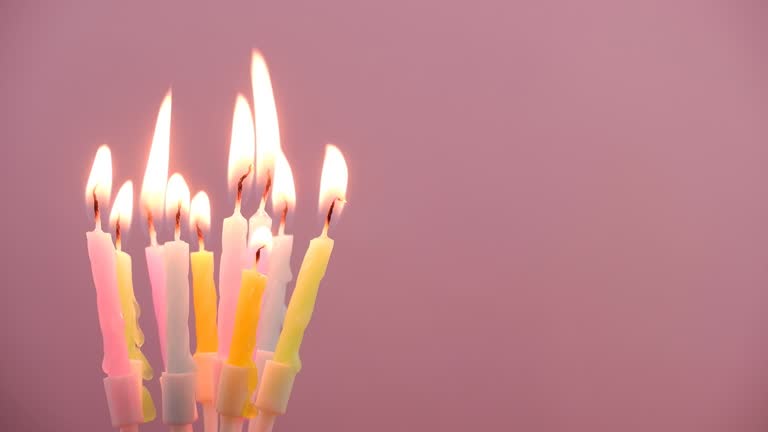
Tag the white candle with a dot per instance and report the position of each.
(234, 233)
(279, 270)
(176, 255)
(152, 197)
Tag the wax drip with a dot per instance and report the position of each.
(283, 217)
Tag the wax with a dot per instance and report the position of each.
(176, 254)
(101, 252)
(134, 337)
(156, 270)
(273, 306)
(244, 335)
(204, 292)
(302, 303)
(247, 318)
(233, 240)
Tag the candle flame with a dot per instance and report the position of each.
(156, 174)
(261, 237)
(333, 181)
(177, 198)
(265, 118)
(122, 209)
(283, 188)
(200, 212)
(242, 144)
(99, 185)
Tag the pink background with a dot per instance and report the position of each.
(557, 215)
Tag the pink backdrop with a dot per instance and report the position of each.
(557, 216)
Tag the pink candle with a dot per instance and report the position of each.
(101, 252)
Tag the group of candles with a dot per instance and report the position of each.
(247, 352)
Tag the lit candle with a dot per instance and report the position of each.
(235, 228)
(267, 137)
(239, 376)
(279, 273)
(279, 373)
(122, 385)
(101, 252)
(176, 255)
(204, 294)
(203, 287)
(120, 218)
(152, 197)
(178, 381)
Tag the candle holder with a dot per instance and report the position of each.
(273, 394)
(179, 409)
(208, 370)
(234, 398)
(124, 401)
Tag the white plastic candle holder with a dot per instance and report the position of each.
(179, 410)
(273, 394)
(208, 367)
(232, 397)
(124, 401)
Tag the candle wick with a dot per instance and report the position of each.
(118, 237)
(283, 218)
(240, 186)
(267, 188)
(258, 255)
(330, 214)
(200, 239)
(96, 217)
(177, 231)
(151, 227)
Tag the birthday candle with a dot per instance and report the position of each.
(101, 252)
(123, 384)
(235, 228)
(177, 280)
(279, 373)
(279, 273)
(152, 198)
(204, 292)
(239, 376)
(120, 218)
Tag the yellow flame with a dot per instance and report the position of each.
(242, 144)
(333, 181)
(100, 178)
(177, 195)
(261, 236)
(200, 212)
(283, 188)
(123, 207)
(156, 174)
(265, 117)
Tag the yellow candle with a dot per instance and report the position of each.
(333, 190)
(247, 318)
(134, 337)
(302, 302)
(204, 292)
(203, 287)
